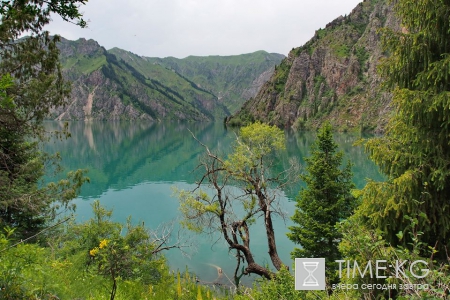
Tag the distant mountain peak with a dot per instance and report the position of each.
(118, 84)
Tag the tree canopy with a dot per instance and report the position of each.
(244, 188)
(31, 83)
(323, 203)
(415, 151)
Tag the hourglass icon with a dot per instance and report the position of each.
(310, 267)
(310, 274)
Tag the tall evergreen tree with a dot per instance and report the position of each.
(414, 153)
(325, 201)
(30, 84)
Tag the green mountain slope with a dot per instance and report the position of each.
(118, 84)
(332, 77)
(105, 87)
(233, 79)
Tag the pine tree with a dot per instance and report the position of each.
(325, 201)
(414, 153)
(31, 82)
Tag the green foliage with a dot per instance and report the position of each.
(32, 15)
(282, 287)
(113, 252)
(326, 201)
(255, 142)
(362, 56)
(244, 189)
(320, 33)
(6, 82)
(86, 261)
(31, 83)
(18, 272)
(341, 50)
(225, 76)
(281, 75)
(414, 152)
(196, 209)
(318, 80)
(406, 217)
(84, 65)
(187, 288)
(243, 118)
(363, 244)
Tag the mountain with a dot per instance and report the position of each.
(118, 84)
(331, 77)
(233, 79)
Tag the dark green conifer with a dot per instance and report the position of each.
(325, 201)
(414, 153)
(31, 83)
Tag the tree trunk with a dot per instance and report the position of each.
(273, 253)
(113, 290)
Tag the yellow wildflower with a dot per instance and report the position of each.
(103, 244)
(94, 251)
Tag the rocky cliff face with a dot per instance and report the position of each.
(104, 87)
(331, 77)
(118, 84)
(94, 96)
(256, 84)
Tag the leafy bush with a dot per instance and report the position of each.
(92, 260)
(281, 287)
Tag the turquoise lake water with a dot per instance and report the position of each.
(134, 166)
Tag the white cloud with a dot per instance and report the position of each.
(203, 27)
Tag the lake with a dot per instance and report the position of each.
(134, 166)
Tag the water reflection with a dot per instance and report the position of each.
(123, 154)
(133, 166)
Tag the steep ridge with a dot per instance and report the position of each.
(233, 79)
(104, 87)
(118, 84)
(332, 77)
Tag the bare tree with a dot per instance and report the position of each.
(244, 188)
(165, 238)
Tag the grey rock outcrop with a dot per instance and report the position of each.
(332, 77)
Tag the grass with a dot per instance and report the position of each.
(84, 64)
(341, 50)
(281, 75)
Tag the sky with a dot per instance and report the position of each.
(179, 28)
